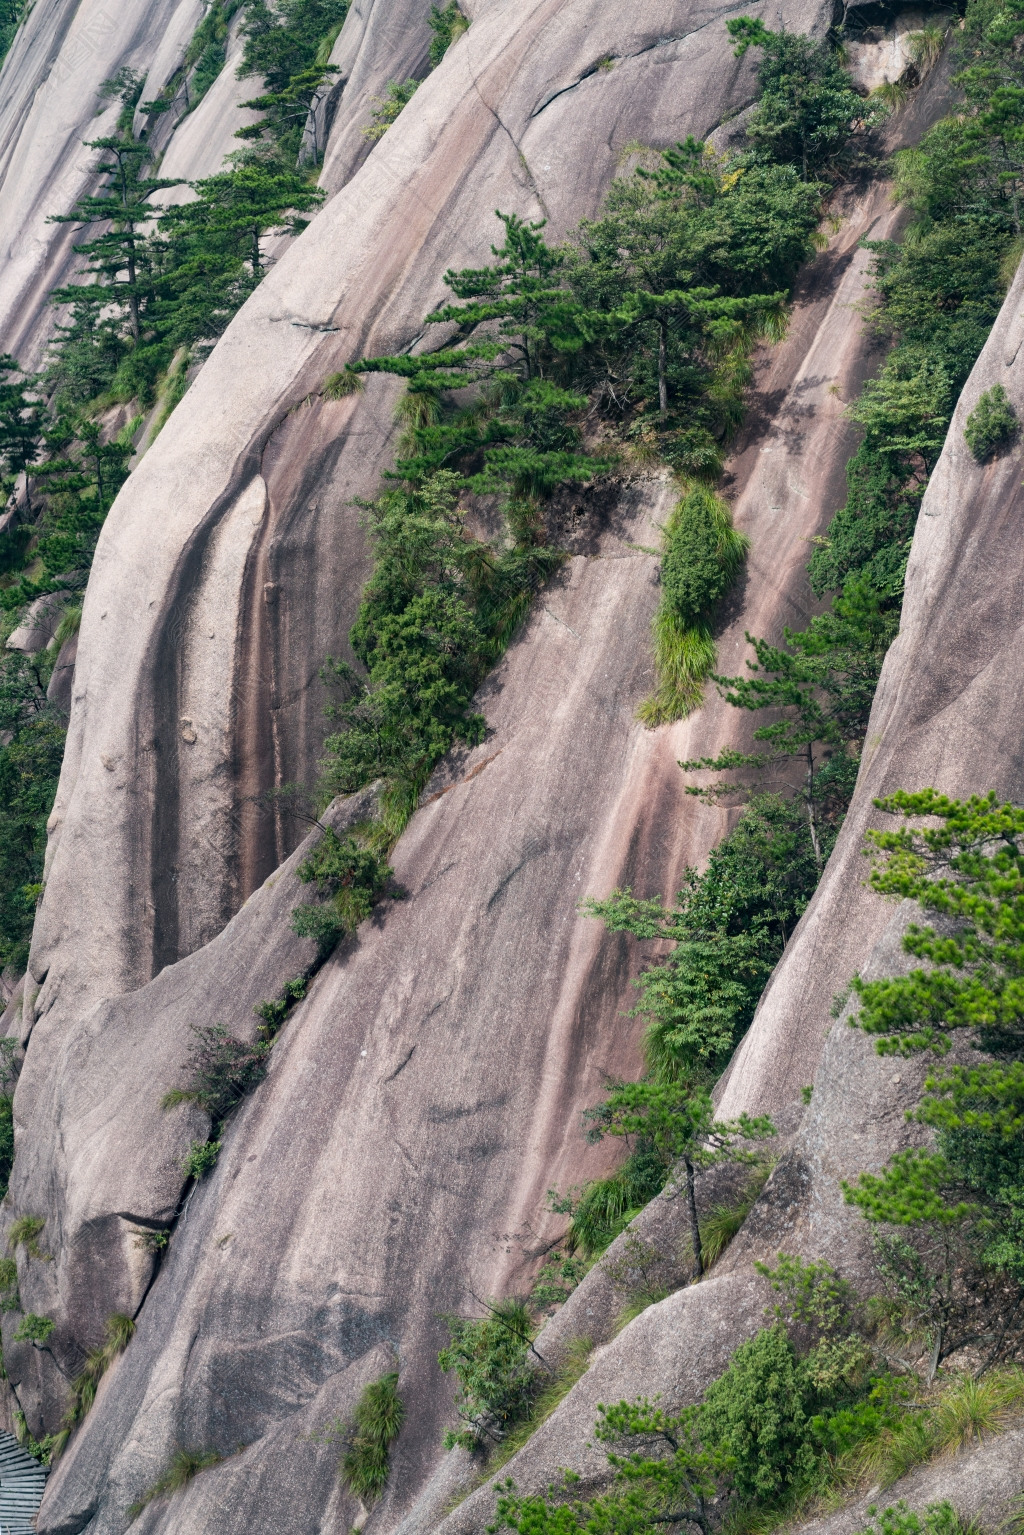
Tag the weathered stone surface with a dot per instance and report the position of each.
(381, 40)
(62, 678)
(360, 1194)
(113, 1153)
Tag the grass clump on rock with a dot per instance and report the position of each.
(184, 1465)
(376, 1423)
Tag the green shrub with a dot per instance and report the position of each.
(350, 876)
(24, 1232)
(376, 1423)
(222, 1070)
(6, 1141)
(701, 559)
(729, 926)
(34, 1329)
(200, 1159)
(273, 1014)
(489, 1358)
(758, 1413)
(397, 94)
(992, 423)
(447, 23)
(898, 1519)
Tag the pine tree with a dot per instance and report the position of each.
(21, 422)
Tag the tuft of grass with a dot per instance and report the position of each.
(992, 424)
(338, 386)
(24, 1233)
(969, 1410)
(721, 1224)
(70, 623)
(119, 1331)
(9, 1299)
(959, 1412)
(685, 656)
(926, 45)
(185, 1464)
(376, 1423)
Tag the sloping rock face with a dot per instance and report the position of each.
(945, 715)
(427, 1092)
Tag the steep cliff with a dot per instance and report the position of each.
(426, 1092)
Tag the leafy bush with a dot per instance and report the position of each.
(807, 106)
(729, 926)
(447, 23)
(758, 1413)
(350, 876)
(200, 1159)
(397, 94)
(11, 13)
(376, 1422)
(437, 612)
(222, 1071)
(898, 1519)
(34, 1329)
(991, 424)
(489, 1358)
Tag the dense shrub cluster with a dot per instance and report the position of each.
(793, 1394)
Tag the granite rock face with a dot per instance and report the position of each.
(426, 1093)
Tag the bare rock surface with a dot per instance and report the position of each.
(381, 40)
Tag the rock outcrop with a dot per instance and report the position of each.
(427, 1091)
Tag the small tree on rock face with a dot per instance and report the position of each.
(489, 1357)
(678, 1119)
(808, 108)
(21, 423)
(951, 1249)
